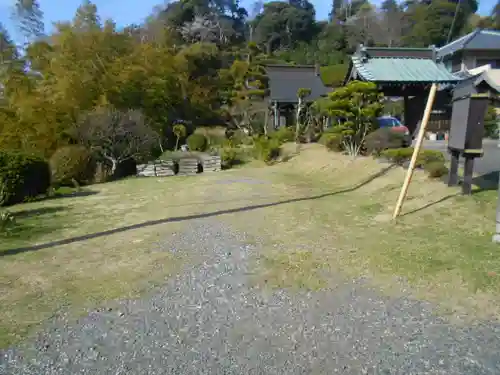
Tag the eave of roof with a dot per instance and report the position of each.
(479, 39)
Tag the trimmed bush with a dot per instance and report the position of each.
(22, 176)
(397, 155)
(332, 141)
(436, 169)
(267, 149)
(429, 156)
(402, 155)
(197, 142)
(283, 135)
(334, 130)
(383, 139)
(72, 165)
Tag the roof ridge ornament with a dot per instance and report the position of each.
(362, 53)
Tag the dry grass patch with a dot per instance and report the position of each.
(320, 214)
(111, 243)
(440, 246)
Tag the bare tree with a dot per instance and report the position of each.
(391, 24)
(208, 28)
(116, 135)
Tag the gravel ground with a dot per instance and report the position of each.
(209, 320)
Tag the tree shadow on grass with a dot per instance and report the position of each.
(34, 212)
(69, 194)
(30, 224)
(68, 241)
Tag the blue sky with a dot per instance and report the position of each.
(125, 12)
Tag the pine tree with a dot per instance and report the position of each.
(29, 18)
(86, 17)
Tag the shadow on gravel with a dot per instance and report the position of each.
(188, 217)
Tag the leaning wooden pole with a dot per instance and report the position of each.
(418, 145)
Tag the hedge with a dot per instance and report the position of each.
(197, 142)
(22, 176)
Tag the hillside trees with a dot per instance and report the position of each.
(199, 61)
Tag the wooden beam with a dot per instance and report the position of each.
(418, 145)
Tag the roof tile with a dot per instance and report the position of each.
(477, 40)
(396, 69)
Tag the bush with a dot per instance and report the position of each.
(6, 220)
(197, 142)
(332, 141)
(430, 156)
(283, 135)
(401, 155)
(239, 137)
(436, 169)
(22, 176)
(267, 149)
(229, 157)
(334, 130)
(72, 165)
(383, 139)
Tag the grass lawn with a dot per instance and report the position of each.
(315, 215)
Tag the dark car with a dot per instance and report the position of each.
(395, 125)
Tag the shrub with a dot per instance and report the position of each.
(197, 142)
(397, 155)
(425, 157)
(334, 130)
(429, 156)
(436, 169)
(332, 141)
(240, 137)
(382, 139)
(283, 135)
(267, 149)
(72, 165)
(229, 157)
(22, 176)
(6, 219)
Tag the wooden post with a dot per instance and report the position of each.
(453, 173)
(418, 145)
(276, 116)
(468, 175)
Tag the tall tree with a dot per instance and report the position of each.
(391, 23)
(29, 18)
(8, 51)
(86, 17)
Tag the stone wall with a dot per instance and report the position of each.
(157, 168)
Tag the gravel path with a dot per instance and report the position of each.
(209, 320)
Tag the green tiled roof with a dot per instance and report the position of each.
(402, 69)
